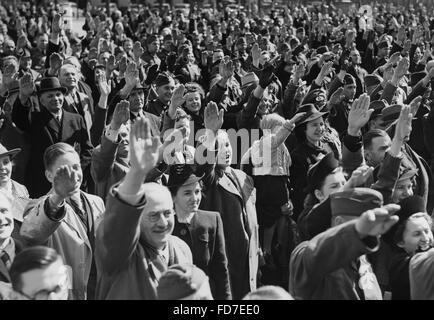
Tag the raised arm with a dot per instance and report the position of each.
(119, 231)
(42, 217)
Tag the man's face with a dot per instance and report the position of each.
(76, 49)
(42, 42)
(106, 35)
(379, 146)
(5, 169)
(50, 283)
(128, 46)
(157, 220)
(242, 46)
(8, 47)
(349, 91)
(136, 100)
(403, 189)
(153, 47)
(355, 57)
(52, 100)
(168, 45)
(384, 52)
(68, 77)
(72, 160)
(103, 58)
(6, 219)
(417, 235)
(165, 92)
(224, 155)
(26, 63)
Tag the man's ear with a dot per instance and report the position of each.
(337, 221)
(400, 244)
(319, 195)
(49, 176)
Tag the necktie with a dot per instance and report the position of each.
(6, 259)
(76, 206)
(368, 281)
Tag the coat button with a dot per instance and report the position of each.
(183, 232)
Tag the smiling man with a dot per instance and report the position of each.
(134, 245)
(66, 218)
(8, 246)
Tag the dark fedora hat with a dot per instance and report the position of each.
(319, 171)
(50, 84)
(5, 152)
(311, 113)
(182, 175)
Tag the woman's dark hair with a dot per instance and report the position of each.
(300, 132)
(38, 257)
(174, 189)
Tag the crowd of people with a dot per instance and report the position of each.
(226, 154)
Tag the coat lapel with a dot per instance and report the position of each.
(228, 185)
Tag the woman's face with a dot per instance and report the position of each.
(187, 198)
(403, 190)
(193, 102)
(417, 235)
(417, 54)
(315, 130)
(5, 169)
(333, 183)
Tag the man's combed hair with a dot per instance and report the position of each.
(53, 152)
(38, 257)
(371, 135)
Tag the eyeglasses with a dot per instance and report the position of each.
(155, 216)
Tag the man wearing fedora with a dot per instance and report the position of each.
(46, 124)
(334, 264)
(25, 61)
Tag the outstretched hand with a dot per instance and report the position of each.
(377, 221)
(144, 149)
(213, 118)
(359, 114)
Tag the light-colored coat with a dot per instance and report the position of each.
(67, 236)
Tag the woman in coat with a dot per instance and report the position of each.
(201, 230)
(313, 143)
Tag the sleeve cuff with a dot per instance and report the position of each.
(54, 214)
(134, 200)
(111, 134)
